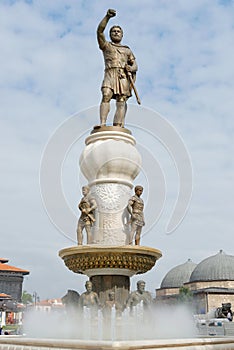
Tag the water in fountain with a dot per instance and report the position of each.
(134, 324)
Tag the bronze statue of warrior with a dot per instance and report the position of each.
(87, 206)
(140, 295)
(120, 71)
(135, 208)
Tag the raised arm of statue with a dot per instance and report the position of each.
(102, 25)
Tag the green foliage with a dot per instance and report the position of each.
(185, 295)
(26, 298)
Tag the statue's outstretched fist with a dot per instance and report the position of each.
(111, 13)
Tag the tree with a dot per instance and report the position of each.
(26, 298)
(185, 295)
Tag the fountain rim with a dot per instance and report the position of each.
(124, 260)
(92, 248)
(193, 343)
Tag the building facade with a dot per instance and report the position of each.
(211, 283)
(11, 280)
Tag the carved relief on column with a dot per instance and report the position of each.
(112, 223)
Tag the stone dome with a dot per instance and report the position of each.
(179, 275)
(219, 267)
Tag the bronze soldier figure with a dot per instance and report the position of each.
(87, 206)
(120, 63)
(89, 298)
(109, 304)
(135, 208)
(139, 295)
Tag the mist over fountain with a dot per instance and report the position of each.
(137, 324)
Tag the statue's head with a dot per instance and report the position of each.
(85, 190)
(111, 295)
(138, 190)
(141, 286)
(116, 34)
(88, 286)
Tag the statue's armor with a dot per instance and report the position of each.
(85, 204)
(137, 205)
(116, 57)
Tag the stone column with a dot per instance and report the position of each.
(103, 284)
(110, 162)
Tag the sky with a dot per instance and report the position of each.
(52, 69)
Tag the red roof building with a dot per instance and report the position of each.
(11, 279)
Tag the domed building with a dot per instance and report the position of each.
(174, 280)
(211, 282)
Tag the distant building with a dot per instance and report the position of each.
(11, 280)
(4, 300)
(173, 281)
(47, 305)
(211, 283)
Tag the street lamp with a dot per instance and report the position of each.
(35, 298)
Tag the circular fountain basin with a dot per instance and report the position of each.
(93, 260)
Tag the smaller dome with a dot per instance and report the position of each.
(179, 275)
(218, 267)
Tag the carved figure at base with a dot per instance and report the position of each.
(135, 208)
(120, 71)
(87, 206)
(89, 298)
(109, 304)
(139, 295)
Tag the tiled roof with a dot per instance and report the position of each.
(7, 268)
(5, 296)
(55, 301)
(50, 302)
(43, 303)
